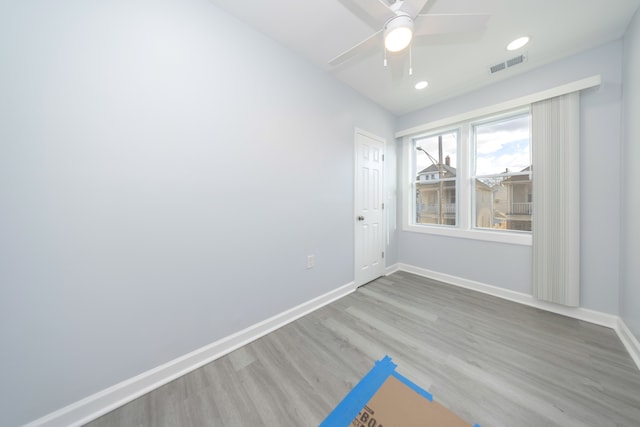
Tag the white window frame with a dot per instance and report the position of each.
(473, 147)
(414, 172)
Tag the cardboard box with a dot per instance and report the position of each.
(395, 404)
(384, 398)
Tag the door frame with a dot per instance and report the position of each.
(383, 233)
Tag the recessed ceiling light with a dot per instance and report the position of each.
(518, 43)
(421, 85)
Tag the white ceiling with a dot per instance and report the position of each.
(452, 64)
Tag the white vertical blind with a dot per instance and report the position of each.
(556, 199)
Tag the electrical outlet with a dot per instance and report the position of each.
(311, 261)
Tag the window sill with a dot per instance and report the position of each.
(509, 237)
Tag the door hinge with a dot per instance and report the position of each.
(382, 254)
(383, 157)
(383, 206)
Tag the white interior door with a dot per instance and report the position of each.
(369, 223)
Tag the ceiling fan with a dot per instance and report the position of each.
(400, 21)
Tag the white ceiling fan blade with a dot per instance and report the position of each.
(449, 23)
(413, 7)
(375, 40)
(372, 12)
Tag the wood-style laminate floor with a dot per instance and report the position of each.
(491, 361)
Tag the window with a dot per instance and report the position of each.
(436, 179)
(473, 179)
(471, 221)
(502, 173)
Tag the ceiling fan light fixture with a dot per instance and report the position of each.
(518, 43)
(398, 33)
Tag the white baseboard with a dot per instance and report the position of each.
(98, 404)
(391, 269)
(629, 340)
(592, 316)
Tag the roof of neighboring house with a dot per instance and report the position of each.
(518, 177)
(527, 169)
(450, 171)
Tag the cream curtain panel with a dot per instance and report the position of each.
(555, 127)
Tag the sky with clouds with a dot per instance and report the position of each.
(502, 145)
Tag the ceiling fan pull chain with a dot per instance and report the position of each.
(385, 56)
(411, 59)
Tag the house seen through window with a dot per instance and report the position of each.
(436, 180)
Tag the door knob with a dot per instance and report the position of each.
(360, 218)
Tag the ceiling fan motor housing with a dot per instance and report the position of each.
(398, 32)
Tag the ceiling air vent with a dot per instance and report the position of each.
(515, 61)
(508, 63)
(498, 67)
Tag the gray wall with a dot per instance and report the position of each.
(509, 266)
(164, 172)
(630, 230)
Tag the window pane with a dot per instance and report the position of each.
(502, 146)
(435, 160)
(503, 186)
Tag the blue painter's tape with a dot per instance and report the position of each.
(413, 386)
(351, 405)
